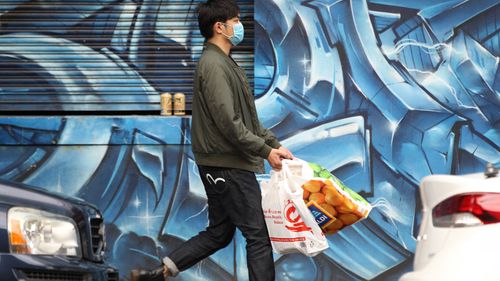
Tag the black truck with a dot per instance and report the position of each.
(46, 236)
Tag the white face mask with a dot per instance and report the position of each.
(238, 33)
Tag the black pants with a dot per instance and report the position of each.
(234, 200)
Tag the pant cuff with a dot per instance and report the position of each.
(171, 266)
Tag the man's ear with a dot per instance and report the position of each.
(218, 28)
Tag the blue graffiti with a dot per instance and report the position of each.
(418, 84)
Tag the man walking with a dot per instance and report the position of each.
(229, 145)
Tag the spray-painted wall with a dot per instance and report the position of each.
(382, 93)
(102, 56)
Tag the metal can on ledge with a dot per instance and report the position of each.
(179, 104)
(166, 104)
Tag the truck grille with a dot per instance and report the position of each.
(97, 236)
(47, 275)
(112, 276)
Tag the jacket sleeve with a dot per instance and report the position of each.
(269, 137)
(218, 94)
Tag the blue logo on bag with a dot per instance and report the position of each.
(321, 218)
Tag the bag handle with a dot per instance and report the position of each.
(288, 175)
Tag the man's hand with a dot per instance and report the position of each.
(286, 151)
(275, 157)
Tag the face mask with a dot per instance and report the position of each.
(238, 34)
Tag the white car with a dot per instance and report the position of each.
(459, 238)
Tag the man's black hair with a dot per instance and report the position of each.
(214, 11)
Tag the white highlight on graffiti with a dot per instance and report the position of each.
(197, 214)
(198, 271)
(339, 131)
(147, 217)
(393, 214)
(393, 125)
(195, 170)
(137, 203)
(391, 52)
(59, 186)
(211, 179)
(144, 253)
(176, 126)
(432, 77)
(305, 61)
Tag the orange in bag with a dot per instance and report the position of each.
(333, 205)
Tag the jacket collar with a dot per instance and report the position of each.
(213, 47)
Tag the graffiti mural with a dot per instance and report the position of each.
(380, 92)
(113, 55)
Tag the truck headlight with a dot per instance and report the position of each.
(38, 232)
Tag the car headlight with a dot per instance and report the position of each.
(38, 232)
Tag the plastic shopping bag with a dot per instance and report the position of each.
(292, 227)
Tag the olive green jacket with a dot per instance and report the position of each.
(225, 129)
